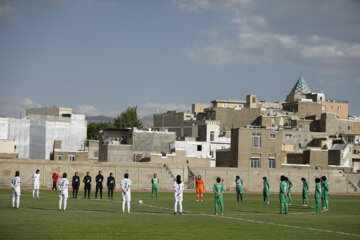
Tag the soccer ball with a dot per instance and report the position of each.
(140, 202)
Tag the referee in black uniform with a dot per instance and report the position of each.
(111, 185)
(75, 184)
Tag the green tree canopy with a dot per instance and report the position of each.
(128, 119)
(94, 128)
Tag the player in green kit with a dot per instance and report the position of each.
(318, 194)
(155, 187)
(305, 191)
(239, 186)
(219, 190)
(266, 190)
(290, 184)
(283, 195)
(325, 193)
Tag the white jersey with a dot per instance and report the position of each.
(178, 191)
(15, 184)
(36, 178)
(126, 186)
(63, 186)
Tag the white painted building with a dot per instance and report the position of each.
(192, 148)
(34, 135)
(210, 132)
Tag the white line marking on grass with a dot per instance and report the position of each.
(234, 218)
(262, 222)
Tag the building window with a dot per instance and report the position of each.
(199, 148)
(256, 140)
(212, 136)
(255, 163)
(71, 158)
(349, 127)
(254, 99)
(212, 154)
(349, 138)
(272, 163)
(225, 105)
(339, 108)
(59, 157)
(272, 136)
(323, 108)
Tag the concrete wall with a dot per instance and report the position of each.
(180, 159)
(50, 111)
(79, 156)
(230, 118)
(270, 147)
(198, 107)
(341, 109)
(330, 124)
(180, 123)
(7, 146)
(92, 148)
(143, 144)
(141, 174)
(303, 109)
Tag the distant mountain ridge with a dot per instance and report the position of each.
(147, 121)
(100, 118)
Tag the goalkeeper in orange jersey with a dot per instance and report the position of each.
(199, 188)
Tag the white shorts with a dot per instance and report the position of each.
(16, 192)
(63, 195)
(178, 198)
(126, 197)
(36, 186)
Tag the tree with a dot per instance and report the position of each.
(128, 119)
(94, 128)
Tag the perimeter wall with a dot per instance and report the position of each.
(141, 174)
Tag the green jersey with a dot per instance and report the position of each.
(155, 182)
(325, 189)
(266, 186)
(318, 192)
(290, 184)
(218, 188)
(305, 186)
(239, 183)
(283, 191)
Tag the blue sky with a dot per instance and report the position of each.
(99, 57)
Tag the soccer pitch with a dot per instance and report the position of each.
(103, 219)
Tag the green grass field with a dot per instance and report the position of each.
(103, 219)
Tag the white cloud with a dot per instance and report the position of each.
(256, 35)
(91, 111)
(150, 108)
(10, 107)
(88, 110)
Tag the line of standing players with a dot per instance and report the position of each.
(99, 185)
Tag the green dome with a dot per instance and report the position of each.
(300, 87)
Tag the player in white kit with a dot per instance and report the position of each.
(64, 192)
(36, 183)
(126, 192)
(178, 193)
(15, 186)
